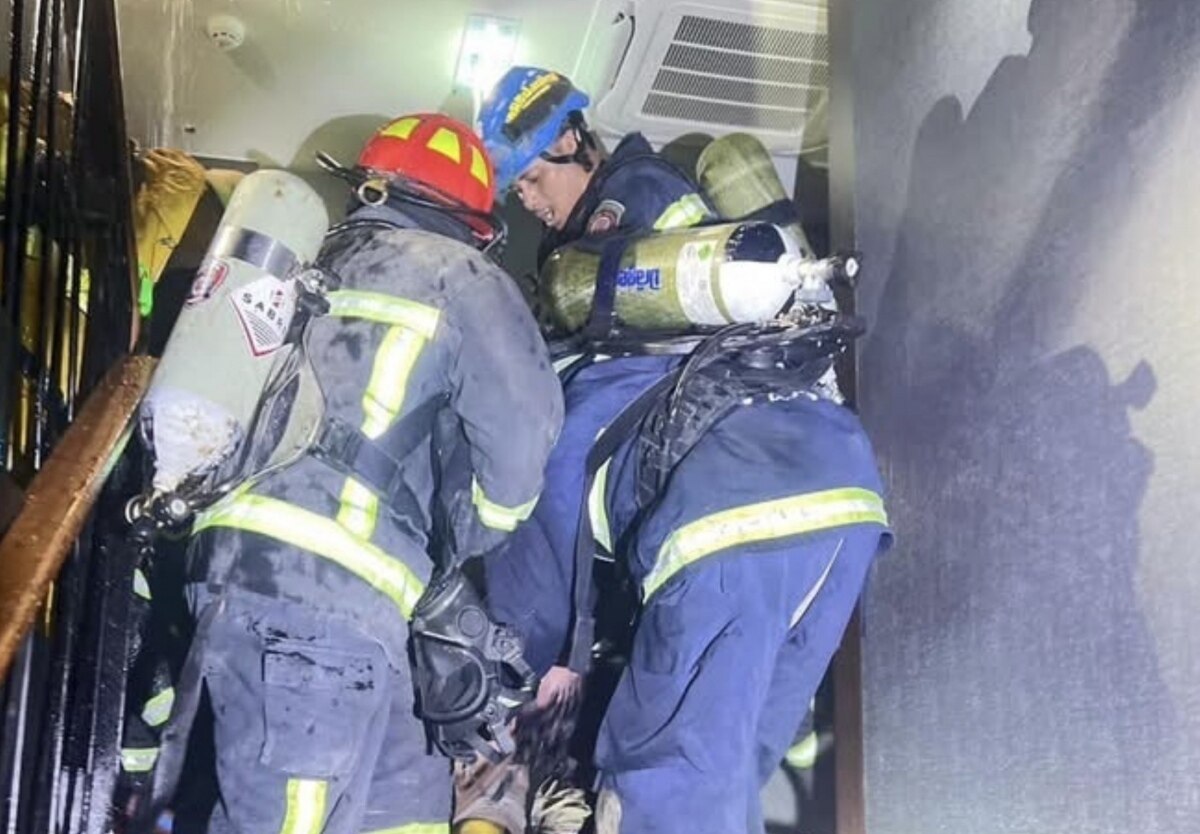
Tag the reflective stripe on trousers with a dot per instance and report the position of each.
(138, 759)
(305, 812)
(157, 710)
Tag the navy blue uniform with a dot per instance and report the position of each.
(750, 561)
(634, 190)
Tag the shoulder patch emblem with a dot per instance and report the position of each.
(606, 217)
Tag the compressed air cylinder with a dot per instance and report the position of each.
(711, 275)
(235, 320)
(739, 177)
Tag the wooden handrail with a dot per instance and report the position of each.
(60, 498)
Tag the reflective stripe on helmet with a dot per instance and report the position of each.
(446, 143)
(781, 518)
(319, 535)
(479, 166)
(401, 128)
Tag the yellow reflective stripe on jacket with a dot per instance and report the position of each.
(394, 362)
(323, 536)
(158, 709)
(688, 210)
(415, 828)
(768, 520)
(138, 759)
(385, 309)
(598, 505)
(305, 806)
(413, 324)
(498, 516)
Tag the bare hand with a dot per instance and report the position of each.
(559, 685)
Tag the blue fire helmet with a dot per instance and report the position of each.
(523, 116)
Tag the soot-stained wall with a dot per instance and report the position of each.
(1028, 200)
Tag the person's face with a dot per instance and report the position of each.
(549, 190)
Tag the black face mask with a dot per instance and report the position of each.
(470, 675)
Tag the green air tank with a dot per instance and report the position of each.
(709, 275)
(739, 177)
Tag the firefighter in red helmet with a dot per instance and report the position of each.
(440, 409)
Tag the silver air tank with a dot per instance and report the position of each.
(235, 320)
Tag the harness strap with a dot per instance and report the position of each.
(583, 588)
(378, 464)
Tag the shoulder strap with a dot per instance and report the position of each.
(378, 464)
(602, 318)
(621, 429)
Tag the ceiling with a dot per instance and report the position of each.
(322, 74)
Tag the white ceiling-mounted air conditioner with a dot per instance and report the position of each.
(714, 67)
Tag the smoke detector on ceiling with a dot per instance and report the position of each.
(226, 32)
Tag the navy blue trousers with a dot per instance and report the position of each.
(313, 724)
(725, 661)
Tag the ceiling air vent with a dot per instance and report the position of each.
(753, 65)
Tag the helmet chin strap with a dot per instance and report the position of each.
(584, 145)
(377, 191)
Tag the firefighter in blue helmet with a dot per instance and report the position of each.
(440, 402)
(745, 504)
(533, 126)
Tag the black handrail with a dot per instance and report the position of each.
(66, 312)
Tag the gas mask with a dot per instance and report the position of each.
(470, 675)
